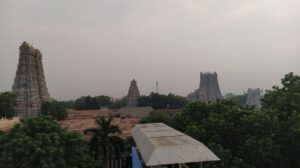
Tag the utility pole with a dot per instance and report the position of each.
(157, 90)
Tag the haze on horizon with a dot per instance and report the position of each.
(97, 47)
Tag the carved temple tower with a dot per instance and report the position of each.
(253, 97)
(133, 95)
(30, 84)
(209, 90)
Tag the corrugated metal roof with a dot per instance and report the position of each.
(160, 144)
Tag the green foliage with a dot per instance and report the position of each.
(86, 103)
(238, 99)
(157, 116)
(55, 109)
(158, 101)
(42, 143)
(155, 100)
(284, 104)
(69, 104)
(119, 103)
(240, 136)
(285, 99)
(244, 137)
(7, 103)
(104, 101)
(105, 140)
(129, 142)
(91, 103)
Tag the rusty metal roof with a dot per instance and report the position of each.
(160, 144)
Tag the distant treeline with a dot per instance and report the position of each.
(96, 102)
(58, 108)
(157, 101)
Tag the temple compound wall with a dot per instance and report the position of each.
(29, 84)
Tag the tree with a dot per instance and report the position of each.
(285, 99)
(86, 103)
(238, 99)
(55, 109)
(176, 102)
(92, 103)
(104, 101)
(158, 101)
(7, 103)
(157, 116)
(41, 142)
(105, 140)
(240, 136)
(284, 104)
(119, 103)
(246, 137)
(69, 104)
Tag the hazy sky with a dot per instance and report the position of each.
(97, 47)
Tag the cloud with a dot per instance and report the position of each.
(98, 46)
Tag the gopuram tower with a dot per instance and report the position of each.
(133, 95)
(253, 97)
(30, 84)
(209, 90)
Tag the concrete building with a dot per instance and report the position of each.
(160, 145)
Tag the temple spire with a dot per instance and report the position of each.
(133, 94)
(30, 84)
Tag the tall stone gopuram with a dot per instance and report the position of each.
(253, 97)
(30, 84)
(209, 90)
(133, 95)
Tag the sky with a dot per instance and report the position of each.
(96, 47)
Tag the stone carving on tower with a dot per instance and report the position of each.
(133, 95)
(208, 91)
(253, 97)
(29, 84)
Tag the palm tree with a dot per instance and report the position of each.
(105, 139)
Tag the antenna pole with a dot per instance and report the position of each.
(157, 90)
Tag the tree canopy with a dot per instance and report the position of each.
(237, 99)
(7, 103)
(245, 137)
(91, 103)
(42, 143)
(159, 101)
(283, 103)
(119, 103)
(55, 109)
(157, 116)
(105, 140)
